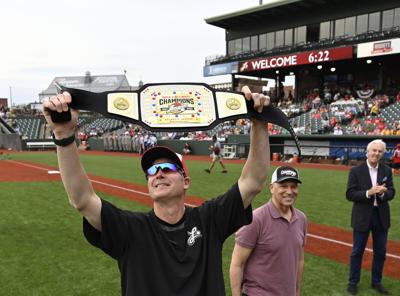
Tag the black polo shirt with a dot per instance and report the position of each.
(156, 258)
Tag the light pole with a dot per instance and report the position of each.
(10, 97)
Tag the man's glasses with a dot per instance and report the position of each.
(165, 167)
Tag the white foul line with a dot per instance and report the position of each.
(146, 194)
(95, 181)
(347, 244)
(28, 165)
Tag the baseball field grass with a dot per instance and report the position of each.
(43, 251)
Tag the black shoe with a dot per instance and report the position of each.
(224, 171)
(379, 288)
(352, 289)
(208, 171)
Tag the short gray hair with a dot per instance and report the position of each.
(377, 141)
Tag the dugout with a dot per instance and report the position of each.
(314, 148)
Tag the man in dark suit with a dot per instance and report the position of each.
(370, 187)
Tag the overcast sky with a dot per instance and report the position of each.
(154, 41)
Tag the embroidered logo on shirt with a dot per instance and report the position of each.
(193, 234)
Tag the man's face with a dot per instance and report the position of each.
(375, 153)
(164, 185)
(284, 194)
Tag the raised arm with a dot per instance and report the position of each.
(79, 189)
(254, 173)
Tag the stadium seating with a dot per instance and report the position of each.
(103, 124)
(29, 126)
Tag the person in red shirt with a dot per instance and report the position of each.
(398, 97)
(333, 121)
(396, 159)
(381, 126)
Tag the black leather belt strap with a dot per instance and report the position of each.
(170, 107)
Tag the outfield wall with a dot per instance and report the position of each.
(10, 141)
(328, 147)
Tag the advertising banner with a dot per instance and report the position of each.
(302, 58)
(220, 69)
(357, 149)
(308, 148)
(378, 48)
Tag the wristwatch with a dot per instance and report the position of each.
(64, 142)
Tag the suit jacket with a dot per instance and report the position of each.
(358, 183)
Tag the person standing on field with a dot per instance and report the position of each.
(216, 155)
(174, 249)
(268, 257)
(370, 188)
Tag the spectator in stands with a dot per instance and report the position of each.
(325, 124)
(396, 159)
(398, 97)
(307, 129)
(375, 109)
(385, 100)
(307, 106)
(296, 129)
(216, 155)
(380, 125)
(336, 97)
(333, 121)
(396, 129)
(386, 131)
(173, 249)
(327, 95)
(359, 130)
(348, 116)
(337, 130)
(268, 257)
(316, 115)
(370, 188)
(290, 97)
(187, 149)
(366, 108)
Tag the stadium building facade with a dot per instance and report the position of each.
(322, 44)
(319, 42)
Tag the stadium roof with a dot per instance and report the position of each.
(268, 10)
(95, 83)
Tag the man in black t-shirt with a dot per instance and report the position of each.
(174, 249)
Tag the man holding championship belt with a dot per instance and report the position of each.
(173, 249)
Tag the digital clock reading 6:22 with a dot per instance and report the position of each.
(319, 56)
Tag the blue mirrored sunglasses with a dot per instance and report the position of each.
(165, 167)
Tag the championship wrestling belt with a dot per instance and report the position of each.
(168, 107)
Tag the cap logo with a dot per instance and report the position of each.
(288, 173)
